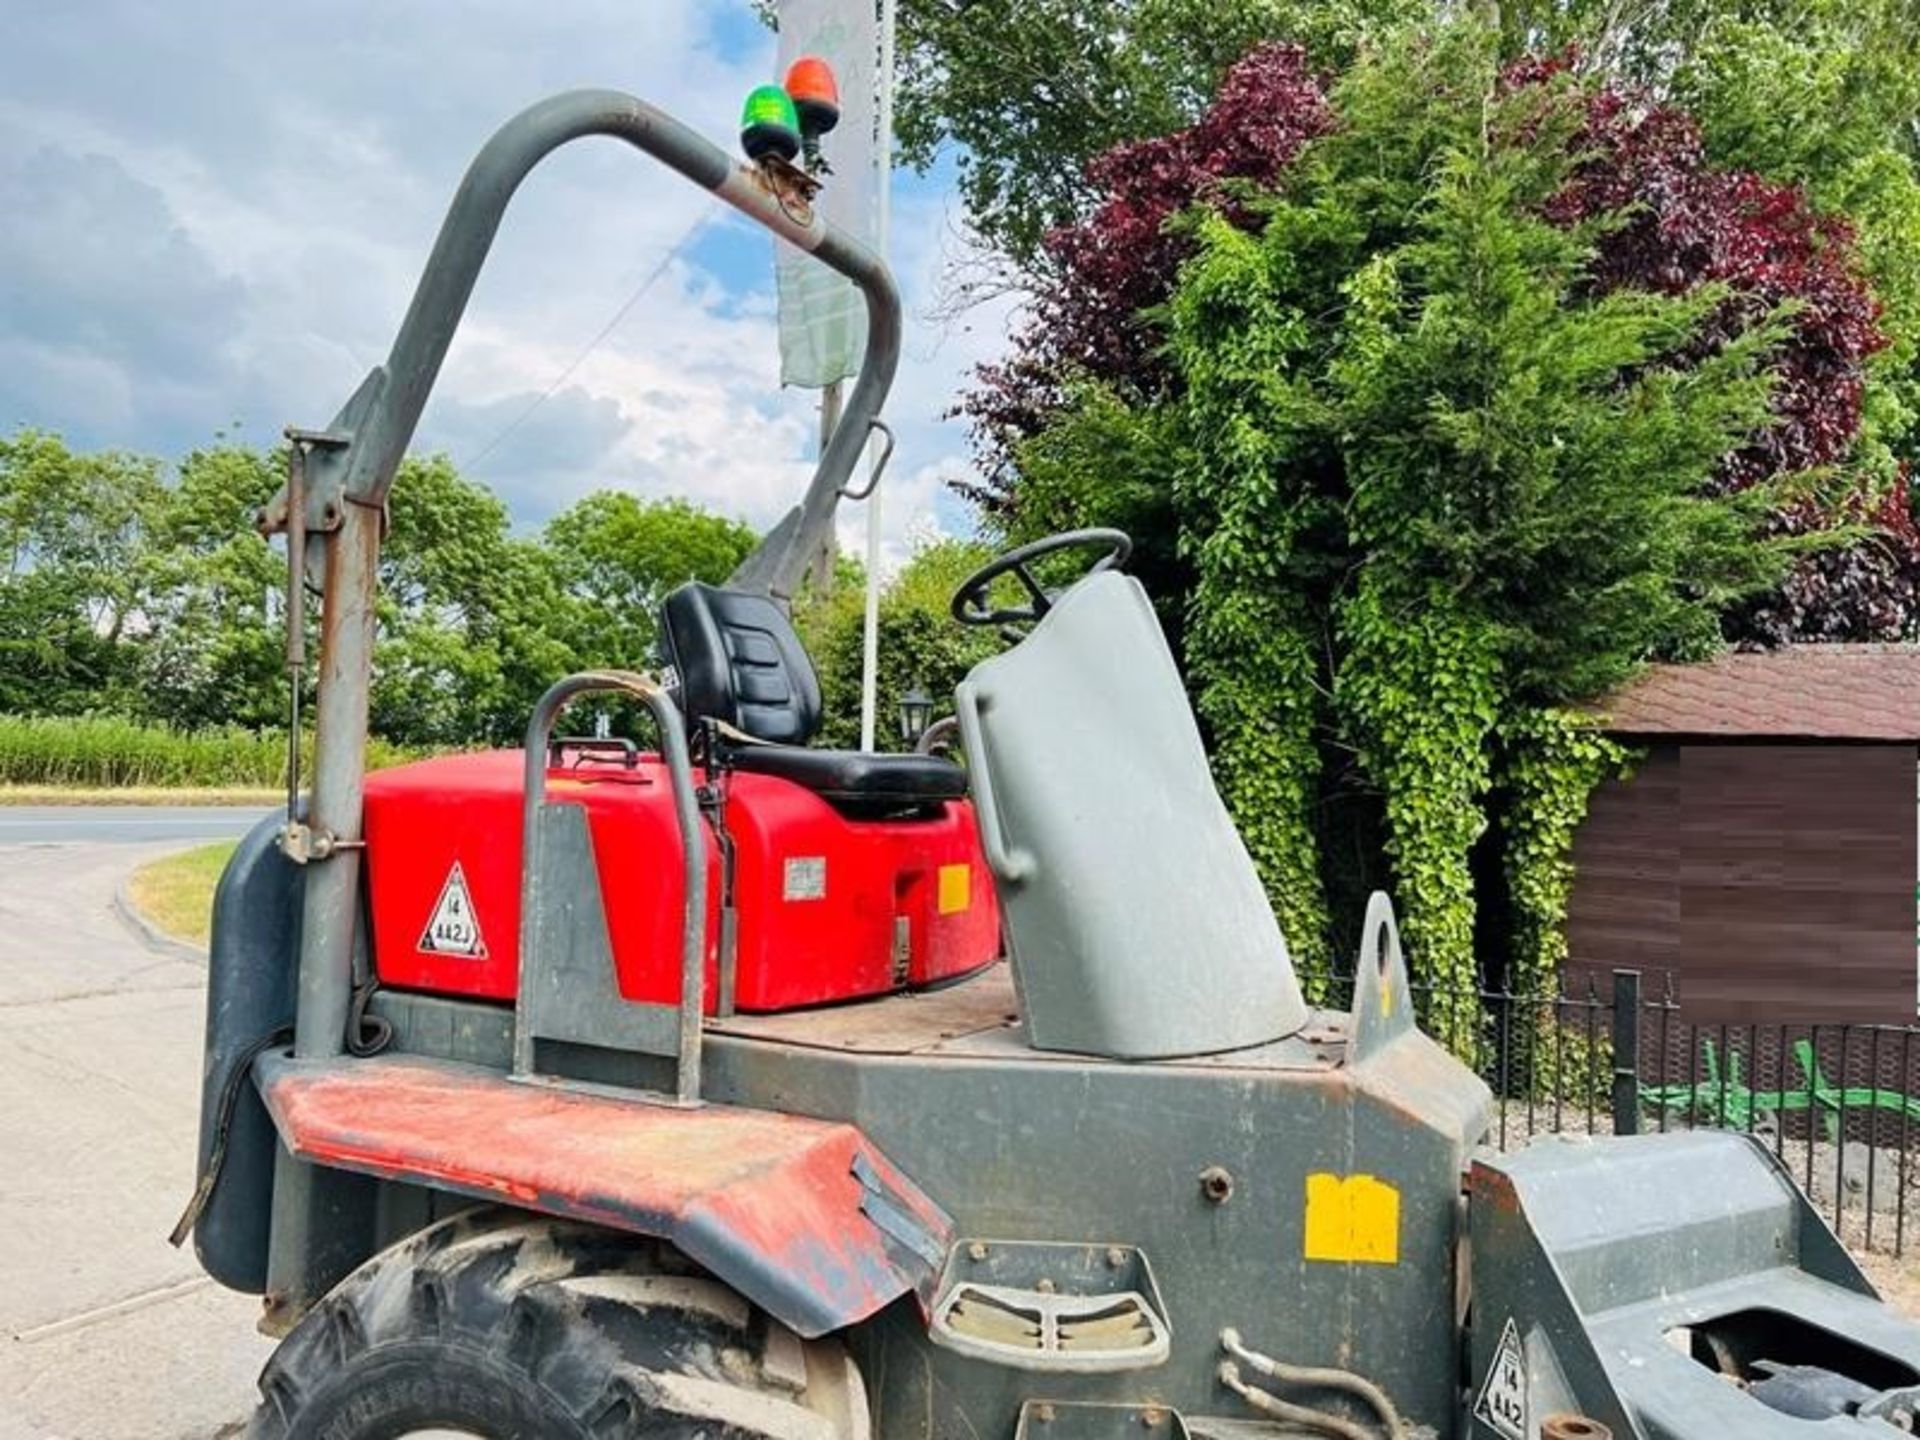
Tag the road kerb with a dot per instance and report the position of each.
(148, 933)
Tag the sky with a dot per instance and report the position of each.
(213, 214)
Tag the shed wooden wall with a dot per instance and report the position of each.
(1777, 881)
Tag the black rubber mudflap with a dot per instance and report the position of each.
(251, 970)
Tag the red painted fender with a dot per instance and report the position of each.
(805, 1218)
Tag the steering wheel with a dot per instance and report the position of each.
(970, 600)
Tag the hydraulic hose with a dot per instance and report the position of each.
(1311, 1376)
(1290, 1413)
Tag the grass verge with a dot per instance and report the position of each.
(140, 795)
(175, 892)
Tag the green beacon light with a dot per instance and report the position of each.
(769, 125)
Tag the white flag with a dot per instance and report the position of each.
(823, 320)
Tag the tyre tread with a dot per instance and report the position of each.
(615, 1332)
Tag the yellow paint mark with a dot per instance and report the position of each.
(956, 888)
(1386, 997)
(1352, 1219)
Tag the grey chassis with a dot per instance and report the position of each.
(1129, 1182)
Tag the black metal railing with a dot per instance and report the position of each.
(1839, 1104)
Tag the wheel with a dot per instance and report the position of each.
(971, 605)
(499, 1326)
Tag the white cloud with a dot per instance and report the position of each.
(218, 211)
(915, 508)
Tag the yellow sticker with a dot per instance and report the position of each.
(1354, 1219)
(956, 888)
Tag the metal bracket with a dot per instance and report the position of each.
(712, 797)
(787, 183)
(893, 1217)
(1068, 1420)
(302, 844)
(324, 439)
(302, 444)
(321, 457)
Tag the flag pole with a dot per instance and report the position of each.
(870, 630)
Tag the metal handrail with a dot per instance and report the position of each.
(686, 811)
(889, 441)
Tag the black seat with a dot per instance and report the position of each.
(739, 662)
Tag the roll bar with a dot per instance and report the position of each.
(347, 471)
(378, 442)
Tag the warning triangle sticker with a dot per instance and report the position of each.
(1503, 1397)
(454, 928)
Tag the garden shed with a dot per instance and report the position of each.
(1764, 848)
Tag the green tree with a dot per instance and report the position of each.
(1430, 477)
(122, 590)
(1116, 465)
(212, 651)
(921, 645)
(474, 622)
(71, 528)
(618, 556)
(1026, 92)
(1826, 96)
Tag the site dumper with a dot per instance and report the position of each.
(738, 1087)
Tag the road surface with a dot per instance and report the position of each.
(105, 1332)
(123, 824)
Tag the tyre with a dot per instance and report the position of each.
(502, 1326)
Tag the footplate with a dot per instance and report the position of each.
(1077, 1309)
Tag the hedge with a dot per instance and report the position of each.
(104, 751)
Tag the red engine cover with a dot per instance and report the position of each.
(828, 908)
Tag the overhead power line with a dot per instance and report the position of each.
(647, 282)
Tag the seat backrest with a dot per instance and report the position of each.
(1135, 920)
(740, 662)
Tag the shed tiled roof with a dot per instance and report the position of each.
(1831, 692)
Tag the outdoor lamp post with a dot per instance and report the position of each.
(916, 709)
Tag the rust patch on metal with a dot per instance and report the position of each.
(1494, 1188)
(1573, 1427)
(1420, 1084)
(770, 1203)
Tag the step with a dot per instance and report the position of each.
(1062, 1307)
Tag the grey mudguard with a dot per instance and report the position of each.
(1135, 921)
